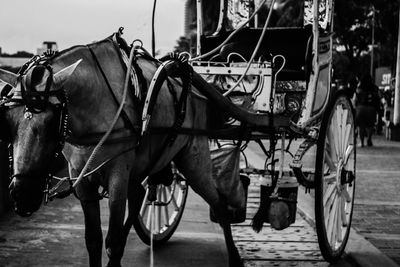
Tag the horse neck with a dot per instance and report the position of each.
(90, 103)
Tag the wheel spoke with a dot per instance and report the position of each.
(144, 182)
(329, 161)
(158, 211)
(148, 221)
(329, 205)
(343, 212)
(333, 139)
(330, 178)
(343, 130)
(173, 200)
(346, 195)
(144, 206)
(346, 139)
(339, 221)
(338, 129)
(347, 156)
(332, 220)
(328, 193)
(166, 214)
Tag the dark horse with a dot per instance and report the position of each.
(77, 78)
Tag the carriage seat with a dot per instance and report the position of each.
(293, 43)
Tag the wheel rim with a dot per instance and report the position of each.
(338, 175)
(168, 207)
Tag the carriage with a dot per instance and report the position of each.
(265, 65)
(273, 61)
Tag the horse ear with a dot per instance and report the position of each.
(8, 77)
(63, 75)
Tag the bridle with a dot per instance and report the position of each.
(36, 102)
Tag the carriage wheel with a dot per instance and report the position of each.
(335, 178)
(168, 210)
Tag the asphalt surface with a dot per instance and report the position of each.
(54, 236)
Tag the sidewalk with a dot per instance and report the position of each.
(375, 237)
(377, 202)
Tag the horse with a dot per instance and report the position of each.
(75, 108)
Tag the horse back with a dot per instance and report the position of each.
(96, 87)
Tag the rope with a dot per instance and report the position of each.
(153, 215)
(107, 134)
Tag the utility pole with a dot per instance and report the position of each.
(396, 115)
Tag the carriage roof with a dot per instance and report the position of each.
(225, 15)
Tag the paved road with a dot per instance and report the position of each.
(54, 236)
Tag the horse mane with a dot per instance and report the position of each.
(70, 49)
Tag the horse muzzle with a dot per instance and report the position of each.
(26, 196)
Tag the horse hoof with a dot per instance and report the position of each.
(237, 263)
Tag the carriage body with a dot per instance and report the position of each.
(290, 73)
(274, 58)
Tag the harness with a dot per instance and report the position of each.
(175, 66)
(36, 102)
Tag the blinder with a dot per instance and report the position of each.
(34, 96)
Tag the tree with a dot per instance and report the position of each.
(182, 45)
(353, 27)
(18, 54)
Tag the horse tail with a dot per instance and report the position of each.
(260, 216)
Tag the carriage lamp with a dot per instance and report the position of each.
(293, 104)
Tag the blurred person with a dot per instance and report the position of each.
(367, 103)
(352, 87)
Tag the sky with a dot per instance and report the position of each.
(25, 24)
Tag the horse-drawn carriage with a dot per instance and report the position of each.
(274, 58)
(265, 66)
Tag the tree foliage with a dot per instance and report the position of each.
(18, 54)
(353, 28)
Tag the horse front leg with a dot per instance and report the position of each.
(116, 237)
(89, 199)
(93, 233)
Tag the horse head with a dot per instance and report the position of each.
(32, 120)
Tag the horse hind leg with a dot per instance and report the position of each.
(194, 162)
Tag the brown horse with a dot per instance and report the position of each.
(78, 78)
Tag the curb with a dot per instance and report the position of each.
(358, 249)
